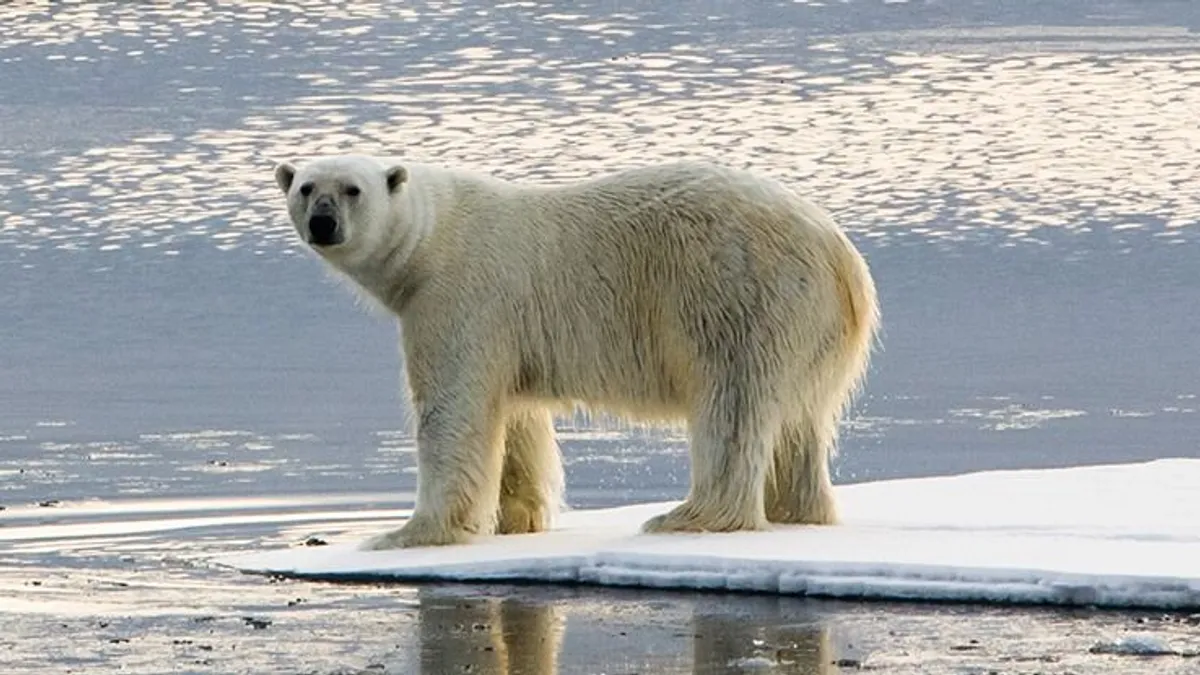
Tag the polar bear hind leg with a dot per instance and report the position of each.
(531, 486)
(731, 432)
(799, 487)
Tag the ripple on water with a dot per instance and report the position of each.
(199, 462)
(932, 135)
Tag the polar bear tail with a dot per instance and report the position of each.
(860, 311)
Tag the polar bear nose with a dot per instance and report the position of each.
(323, 229)
(323, 224)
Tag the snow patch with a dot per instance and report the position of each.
(1110, 536)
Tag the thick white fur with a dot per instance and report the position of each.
(679, 292)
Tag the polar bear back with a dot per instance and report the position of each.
(616, 291)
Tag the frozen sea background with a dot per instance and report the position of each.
(178, 378)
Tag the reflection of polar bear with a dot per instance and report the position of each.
(682, 291)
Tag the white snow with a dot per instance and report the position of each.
(1115, 536)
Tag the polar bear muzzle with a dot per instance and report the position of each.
(323, 228)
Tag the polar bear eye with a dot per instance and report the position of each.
(306, 189)
(353, 191)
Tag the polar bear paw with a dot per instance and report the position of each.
(688, 517)
(519, 516)
(414, 534)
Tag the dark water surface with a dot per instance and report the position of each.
(182, 379)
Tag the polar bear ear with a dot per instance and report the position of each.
(285, 172)
(396, 176)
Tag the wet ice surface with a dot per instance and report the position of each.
(1019, 174)
(109, 587)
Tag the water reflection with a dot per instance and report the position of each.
(767, 640)
(488, 635)
(526, 630)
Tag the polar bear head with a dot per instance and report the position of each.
(341, 201)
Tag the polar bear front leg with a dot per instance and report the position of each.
(459, 453)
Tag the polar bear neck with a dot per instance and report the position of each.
(394, 266)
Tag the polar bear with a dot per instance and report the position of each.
(682, 292)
